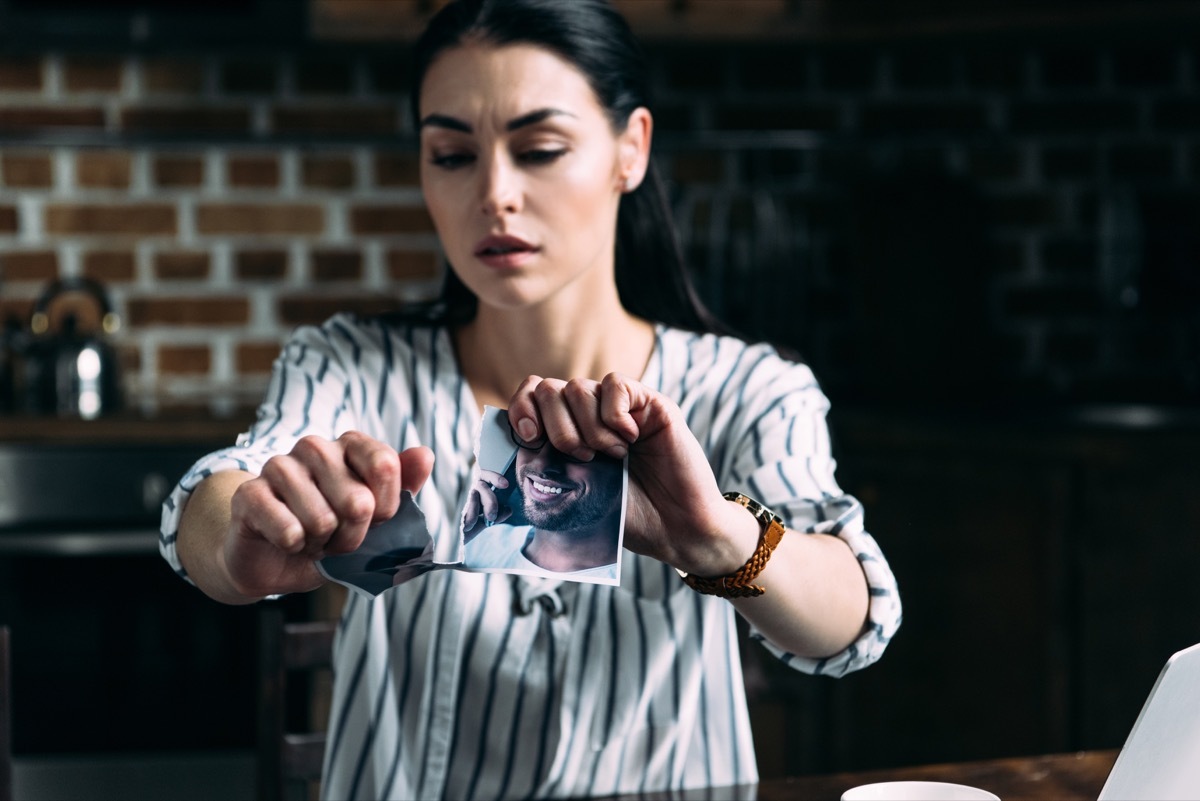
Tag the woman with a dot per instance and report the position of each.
(568, 305)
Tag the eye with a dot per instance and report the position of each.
(542, 155)
(450, 161)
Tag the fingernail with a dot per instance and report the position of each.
(527, 429)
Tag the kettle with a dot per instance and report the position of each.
(71, 372)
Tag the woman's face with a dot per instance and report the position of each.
(522, 173)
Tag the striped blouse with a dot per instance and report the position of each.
(465, 686)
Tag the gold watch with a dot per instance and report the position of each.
(737, 584)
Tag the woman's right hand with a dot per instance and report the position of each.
(321, 498)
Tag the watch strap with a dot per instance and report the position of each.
(738, 584)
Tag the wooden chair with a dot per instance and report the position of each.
(289, 759)
(6, 777)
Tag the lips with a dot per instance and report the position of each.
(503, 250)
(545, 490)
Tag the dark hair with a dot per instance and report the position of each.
(651, 276)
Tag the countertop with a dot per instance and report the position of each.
(1069, 425)
(1075, 430)
(174, 427)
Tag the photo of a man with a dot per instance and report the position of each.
(547, 514)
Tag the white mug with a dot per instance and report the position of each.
(917, 791)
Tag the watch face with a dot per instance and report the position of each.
(757, 509)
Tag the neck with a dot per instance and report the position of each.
(500, 348)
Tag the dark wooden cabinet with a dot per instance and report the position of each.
(972, 543)
(1047, 571)
(1139, 569)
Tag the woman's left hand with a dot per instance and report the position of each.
(816, 597)
(675, 512)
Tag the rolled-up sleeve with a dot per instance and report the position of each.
(784, 458)
(308, 394)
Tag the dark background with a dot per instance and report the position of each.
(978, 224)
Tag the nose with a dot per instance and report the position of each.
(501, 189)
(554, 464)
(545, 461)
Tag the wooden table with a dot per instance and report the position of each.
(1054, 777)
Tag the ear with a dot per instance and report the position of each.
(634, 149)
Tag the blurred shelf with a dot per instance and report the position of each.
(170, 427)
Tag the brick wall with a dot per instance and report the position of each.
(1012, 215)
(1014, 211)
(218, 199)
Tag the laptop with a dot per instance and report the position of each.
(1161, 756)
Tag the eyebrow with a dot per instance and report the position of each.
(532, 118)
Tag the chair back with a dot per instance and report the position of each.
(6, 777)
(289, 758)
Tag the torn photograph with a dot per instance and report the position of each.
(534, 510)
(393, 552)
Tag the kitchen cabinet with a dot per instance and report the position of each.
(1046, 566)
(976, 544)
(100, 624)
(1138, 574)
